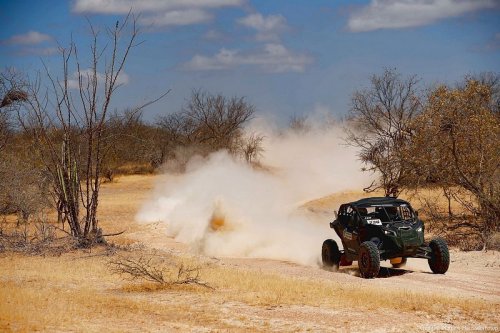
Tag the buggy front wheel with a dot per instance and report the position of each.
(369, 260)
(440, 256)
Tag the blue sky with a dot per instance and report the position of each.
(286, 57)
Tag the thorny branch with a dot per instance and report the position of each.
(145, 269)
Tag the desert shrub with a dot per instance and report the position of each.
(455, 146)
(38, 236)
(165, 273)
(129, 144)
(443, 222)
(23, 188)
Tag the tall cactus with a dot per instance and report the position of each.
(69, 187)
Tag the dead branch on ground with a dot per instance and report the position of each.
(145, 269)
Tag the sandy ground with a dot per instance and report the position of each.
(473, 276)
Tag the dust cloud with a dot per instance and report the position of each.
(221, 206)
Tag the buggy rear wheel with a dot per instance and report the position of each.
(330, 254)
(369, 260)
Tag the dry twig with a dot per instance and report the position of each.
(146, 269)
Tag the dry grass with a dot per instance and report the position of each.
(47, 293)
(135, 169)
(77, 292)
(257, 288)
(37, 307)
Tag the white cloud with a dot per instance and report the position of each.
(268, 27)
(176, 17)
(157, 12)
(124, 6)
(29, 38)
(86, 74)
(393, 14)
(274, 58)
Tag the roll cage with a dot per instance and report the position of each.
(355, 213)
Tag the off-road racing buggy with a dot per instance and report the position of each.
(375, 229)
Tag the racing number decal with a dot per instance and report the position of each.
(347, 235)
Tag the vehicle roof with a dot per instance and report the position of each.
(377, 201)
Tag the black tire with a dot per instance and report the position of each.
(330, 254)
(369, 260)
(401, 264)
(440, 256)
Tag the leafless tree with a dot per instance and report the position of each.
(67, 121)
(21, 184)
(12, 94)
(299, 124)
(379, 123)
(217, 120)
(174, 131)
(5, 130)
(207, 123)
(251, 148)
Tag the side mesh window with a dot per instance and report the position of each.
(350, 216)
(345, 213)
(406, 213)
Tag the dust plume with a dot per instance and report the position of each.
(222, 206)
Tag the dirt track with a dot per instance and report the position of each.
(473, 275)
